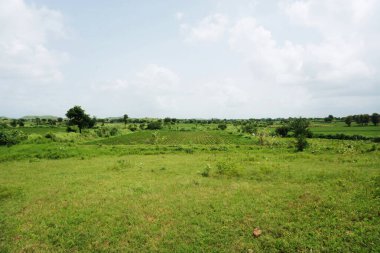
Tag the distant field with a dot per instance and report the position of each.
(42, 130)
(368, 131)
(176, 138)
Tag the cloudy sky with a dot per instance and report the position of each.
(199, 58)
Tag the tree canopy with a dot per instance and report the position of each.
(78, 117)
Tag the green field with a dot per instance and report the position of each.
(42, 130)
(177, 137)
(341, 128)
(189, 191)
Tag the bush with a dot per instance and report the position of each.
(132, 128)
(12, 137)
(250, 128)
(301, 143)
(282, 131)
(222, 126)
(155, 125)
(51, 136)
(107, 131)
(227, 169)
(72, 129)
(206, 171)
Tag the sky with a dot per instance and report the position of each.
(190, 59)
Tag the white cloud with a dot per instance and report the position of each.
(331, 18)
(209, 29)
(157, 78)
(25, 31)
(179, 15)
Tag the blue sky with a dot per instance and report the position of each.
(202, 59)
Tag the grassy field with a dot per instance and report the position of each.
(176, 137)
(189, 191)
(341, 128)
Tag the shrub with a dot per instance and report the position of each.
(107, 131)
(282, 131)
(222, 126)
(250, 128)
(12, 137)
(300, 127)
(132, 128)
(206, 171)
(72, 129)
(227, 169)
(51, 136)
(154, 125)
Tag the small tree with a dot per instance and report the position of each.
(14, 123)
(348, 120)
(20, 123)
(125, 119)
(375, 118)
(301, 130)
(329, 119)
(78, 117)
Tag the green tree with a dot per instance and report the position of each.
(14, 123)
(154, 125)
(78, 117)
(300, 127)
(348, 120)
(20, 122)
(375, 118)
(329, 119)
(125, 119)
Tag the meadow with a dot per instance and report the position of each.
(192, 190)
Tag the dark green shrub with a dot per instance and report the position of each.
(250, 128)
(282, 131)
(11, 137)
(154, 125)
(72, 129)
(222, 126)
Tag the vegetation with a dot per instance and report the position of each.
(77, 117)
(190, 186)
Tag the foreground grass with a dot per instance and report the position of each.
(320, 200)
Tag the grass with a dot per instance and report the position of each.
(175, 138)
(341, 128)
(42, 130)
(104, 196)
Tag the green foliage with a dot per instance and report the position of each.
(300, 128)
(329, 119)
(348, 120)
(375, 118)
(133, 127)
(250, 128)
(227, 169)
(107, 131)
(11, 137)
(154, 125)
(282, 131)
(78, 117)
(206, 171)
(222, 126)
